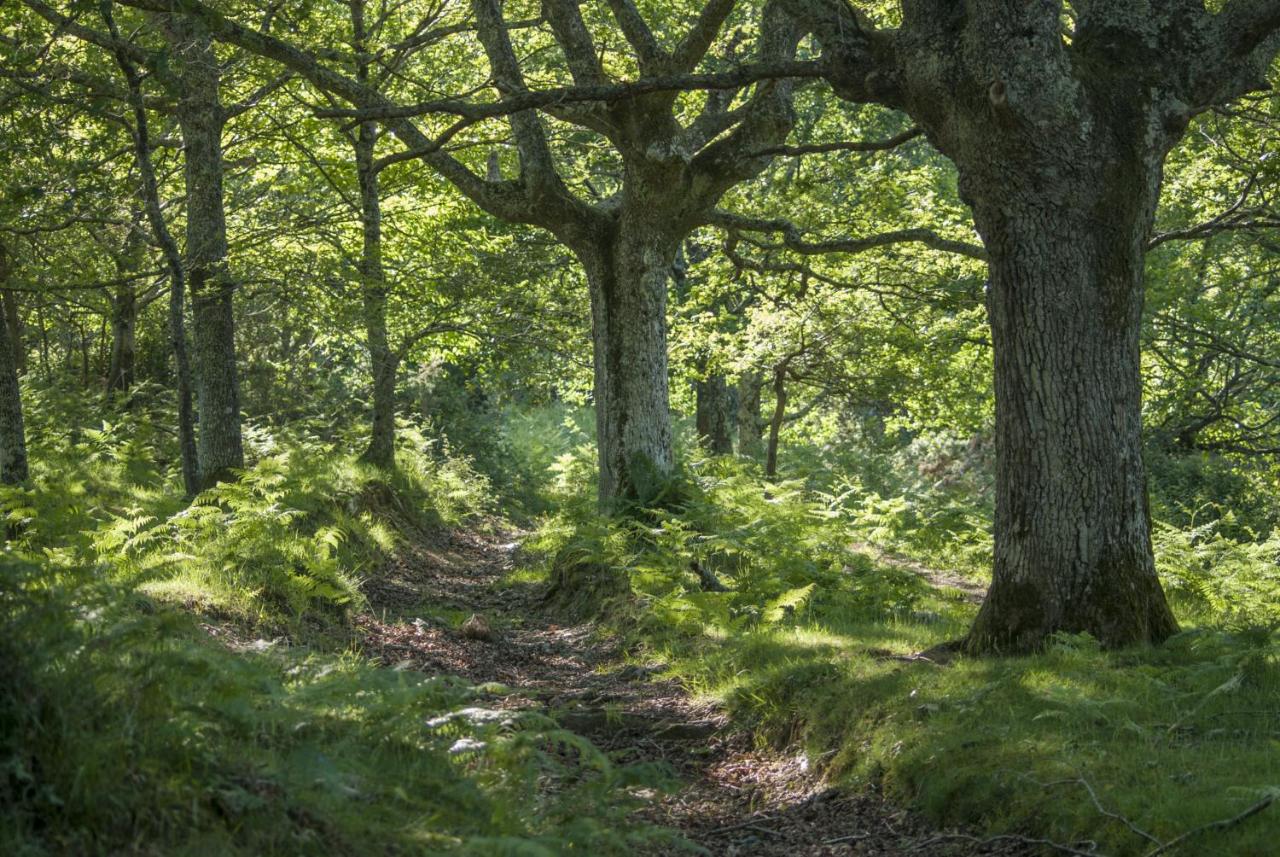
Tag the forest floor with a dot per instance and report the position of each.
(733, 798)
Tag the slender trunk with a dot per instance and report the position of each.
(124, 323)
(749, 422)
(712, 415)
(13, 436)
(627, 273)
(373, 281)
(201, 118)
(124, 310)
(775, 424)
(1072, 529)
(45, 363)
(382, 434)
(13, 321)
(84, 352)
(173, 261)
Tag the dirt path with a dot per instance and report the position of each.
(735, 800)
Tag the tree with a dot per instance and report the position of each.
(672, 173)
(201, 116)
(13, 437)
(188, 449)
(1059, 134)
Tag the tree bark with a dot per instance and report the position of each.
(373, 288)
(13, 321)
(712, 415)
(627, 272)
(13, 436)
(775, 424)
(373, 281)
(201, 118)
(749, 422)
(1073, 547)
(124, 312)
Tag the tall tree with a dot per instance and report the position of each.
(124, 309)
(150, 188)
(672, 175)
(1059, 135)
(13, 436)
(201, 117)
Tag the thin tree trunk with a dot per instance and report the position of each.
(173, 261)
(627, 274)
(779, 415)
(124, 324)
(383, 361)
(45, 364)
(373, 280)
(84, 352)
(124, 312)
(201, 118)
(13, 436)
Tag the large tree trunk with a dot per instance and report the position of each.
(13, 436)
(627, 273)
(13, 323)
(1072, 529)
(712, 415)
(201, 118)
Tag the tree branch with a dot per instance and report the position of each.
(649, 54)
(501, 200)
(694, 46)
(847, 146)
(530, 99)
(793, 239)
(571, 33)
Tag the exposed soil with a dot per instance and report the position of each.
(735, 799)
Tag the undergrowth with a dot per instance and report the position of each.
(123, 728)
(811, 647)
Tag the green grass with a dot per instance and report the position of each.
(125, 729)
(802, 652)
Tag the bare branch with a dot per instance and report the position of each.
(694, 46)
(743, 75)
(575, 41)
(649, 53)
(848, 146)
(792, 237)
(234, 110)
(1234, 217)
(536, 162)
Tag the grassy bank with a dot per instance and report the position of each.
(812, 646)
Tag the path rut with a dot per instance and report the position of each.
(735, 799)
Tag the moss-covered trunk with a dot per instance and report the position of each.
(627, 272)
(201, 118)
